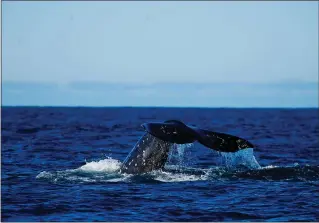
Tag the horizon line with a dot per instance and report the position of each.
(124, 106)
(290, 81)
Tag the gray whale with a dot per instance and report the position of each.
(151, 151)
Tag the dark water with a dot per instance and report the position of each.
(62, 164)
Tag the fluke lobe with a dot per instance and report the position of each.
(151, 151)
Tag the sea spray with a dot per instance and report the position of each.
(178, 168)
(180, 155)
(242, 158)
(105, 165)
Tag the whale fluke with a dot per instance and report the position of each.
(151, 151)
(177, 132)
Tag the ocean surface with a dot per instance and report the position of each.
(62, 164)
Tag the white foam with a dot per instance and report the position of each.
(177, 177)
(108, 165)
(270, 167)
(44, 174)
(98, 171)
(122, 178)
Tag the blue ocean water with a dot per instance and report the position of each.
(62, 164)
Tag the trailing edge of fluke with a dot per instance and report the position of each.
(177, 132)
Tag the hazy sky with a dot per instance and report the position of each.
(154, 42)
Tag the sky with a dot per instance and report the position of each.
(189, 54)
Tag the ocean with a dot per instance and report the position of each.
(62, 164)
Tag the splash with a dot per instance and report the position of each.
(180, 155)
(108, 165)
(242, 158)
(177, 169)
(105, 170)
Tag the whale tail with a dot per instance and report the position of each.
(177, 132)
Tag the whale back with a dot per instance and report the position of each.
(149, 153)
